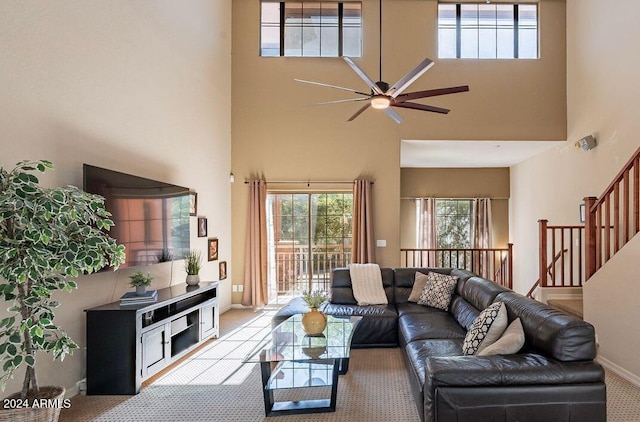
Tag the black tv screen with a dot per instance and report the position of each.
(151, 217)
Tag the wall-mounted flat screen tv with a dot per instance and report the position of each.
(151, 217)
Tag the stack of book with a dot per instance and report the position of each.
(131, 298)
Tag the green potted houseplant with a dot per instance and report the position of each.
(48, 236)
(192, 265)
(140, 282)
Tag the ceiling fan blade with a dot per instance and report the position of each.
(331, 86)
(431, 93)
(422, 107)
(408, 79)
(337, 101)
(393, 114)
(363, 76)
(359, 112)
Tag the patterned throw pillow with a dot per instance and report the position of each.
(486, 329)
(438, 290)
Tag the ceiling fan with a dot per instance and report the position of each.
(383, 96)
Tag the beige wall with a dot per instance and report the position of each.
(275, 136)
(455, 183)
(137, 86)
(603, 93)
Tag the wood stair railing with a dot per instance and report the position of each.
(610, 222)
(548, 271)
(485, 262)
(614, 218)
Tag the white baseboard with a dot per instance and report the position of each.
(71, 392)
(629, 376)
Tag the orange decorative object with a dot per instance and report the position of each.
(314, 322)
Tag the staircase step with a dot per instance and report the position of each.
(569, 306)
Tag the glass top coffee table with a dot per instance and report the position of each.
(291, 359)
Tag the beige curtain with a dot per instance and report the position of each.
(255, 260)
(482, 229)
(482, 223)
(362, 247)
(426, 229)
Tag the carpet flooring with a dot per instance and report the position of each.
(213, 384)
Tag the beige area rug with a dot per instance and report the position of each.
(376, 388)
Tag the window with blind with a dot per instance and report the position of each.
(487, 31)
(311, 29)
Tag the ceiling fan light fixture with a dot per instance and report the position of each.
(380, 102)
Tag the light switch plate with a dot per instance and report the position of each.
(381, 243)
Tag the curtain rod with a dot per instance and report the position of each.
(413, 198)
(307, 182)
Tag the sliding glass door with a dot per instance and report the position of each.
(308, 234)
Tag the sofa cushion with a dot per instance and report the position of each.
(418, 286)
(410, 308)
(464, 312)
(486, 329)
(430, 324)
(550, 331)
(438, 290)
(342, 291)
(378, 327)
(405, 277)
(481, 292)
(418, 351)
(509, 343)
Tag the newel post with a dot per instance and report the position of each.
(510, 265)
(590, 237)
(542, 253)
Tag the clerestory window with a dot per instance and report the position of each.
(487, 31)
(311, 29)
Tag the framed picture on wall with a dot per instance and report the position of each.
(202, 226)
(223, 270)
(212, 249)
(193, 204)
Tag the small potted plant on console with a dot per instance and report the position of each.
(140, 282)
(192, 265)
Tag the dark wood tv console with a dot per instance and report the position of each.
(127, 344)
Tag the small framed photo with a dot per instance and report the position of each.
(193, 204)
(223, 270)
(212, 249)
(202, 226)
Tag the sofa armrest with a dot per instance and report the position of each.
(501, 370)
(507, 377)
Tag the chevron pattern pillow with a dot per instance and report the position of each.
(486, 329)
(438, 290)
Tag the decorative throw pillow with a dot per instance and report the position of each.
(486, 329)
(438, 290)
(509, 343)
(418, 286)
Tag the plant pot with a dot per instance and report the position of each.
(314, 322)
(193, 279)
(52, 398)
(141, 290)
